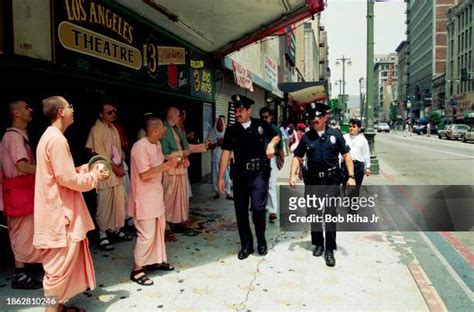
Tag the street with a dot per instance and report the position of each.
(422, 160)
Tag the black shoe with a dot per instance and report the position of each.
(262, 249)
(329, 257)
(229, 197)
(318, 251)
(217, 196)
(244, 253)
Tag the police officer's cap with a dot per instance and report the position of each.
(318, 110)
(242, 101)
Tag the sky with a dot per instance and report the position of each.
(345, 23)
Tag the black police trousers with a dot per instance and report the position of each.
(332, 189)
(358, 177)
(250, 187)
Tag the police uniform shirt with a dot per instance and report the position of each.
(322, 151)
(248, 143)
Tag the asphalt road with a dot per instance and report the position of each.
(422, 160)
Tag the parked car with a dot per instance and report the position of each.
(455, 131)
(469, 135)
(383, 127)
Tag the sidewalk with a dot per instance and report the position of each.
(371, 272)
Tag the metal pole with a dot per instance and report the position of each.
(344, 108)
(361, 99)
(369, 97)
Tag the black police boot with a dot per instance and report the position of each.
(329, 257)
(244, 253)
(318, 251)
(262, 248)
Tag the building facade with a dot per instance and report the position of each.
(460, 67)
(402, 51)
(427, 41)
(386, 74)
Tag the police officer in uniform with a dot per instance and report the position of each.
(248, 139)
(322, 146)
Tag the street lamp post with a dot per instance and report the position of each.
(340, 83)
(369, 111)
(349, 62)
(361, 98)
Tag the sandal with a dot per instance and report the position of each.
(191, 232)
(123, 236)
(169, 236)
(143, 280)
(164, 266)
(105, 245)
(24, 281)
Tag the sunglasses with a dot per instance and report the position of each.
(110, 112)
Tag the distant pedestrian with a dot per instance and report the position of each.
(428, 129)
(407, 129)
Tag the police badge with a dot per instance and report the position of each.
(260, 130)
(333, 139)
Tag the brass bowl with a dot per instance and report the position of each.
(101, 161)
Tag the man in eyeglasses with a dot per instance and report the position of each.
(276, 164)
(322, 146)
(104, 140)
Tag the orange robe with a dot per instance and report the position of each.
(146, 204)
(61, 218)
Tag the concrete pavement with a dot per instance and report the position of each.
(374, 270)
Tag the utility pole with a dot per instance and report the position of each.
(349, 62)
(339, 82)
(361, 107)
(369, 111)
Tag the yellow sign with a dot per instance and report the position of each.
(197, 64)
(171, 55)
(85, 41)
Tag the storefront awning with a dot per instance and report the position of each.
(305, 92)
(223, 27)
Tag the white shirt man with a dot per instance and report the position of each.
(360, 152)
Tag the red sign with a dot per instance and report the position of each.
(242, 76)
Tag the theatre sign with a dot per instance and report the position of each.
(102, 38)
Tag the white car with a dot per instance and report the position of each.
(383, 127)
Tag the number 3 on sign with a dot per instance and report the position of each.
(150, 58)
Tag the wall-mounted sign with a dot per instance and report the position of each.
(171, 55)
(82, 40)
(202, 81)
(290, 45)
(271, 73)
(101, 37)
(197, 64)
(242, 76)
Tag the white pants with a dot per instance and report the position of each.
(215, 170)
(272, 200)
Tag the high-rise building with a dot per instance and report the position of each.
(402, 85)
(427, 40)
(386, 74)
(460, 64)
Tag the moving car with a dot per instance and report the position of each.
(423, 129)
(383, 127)
(454, 131)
